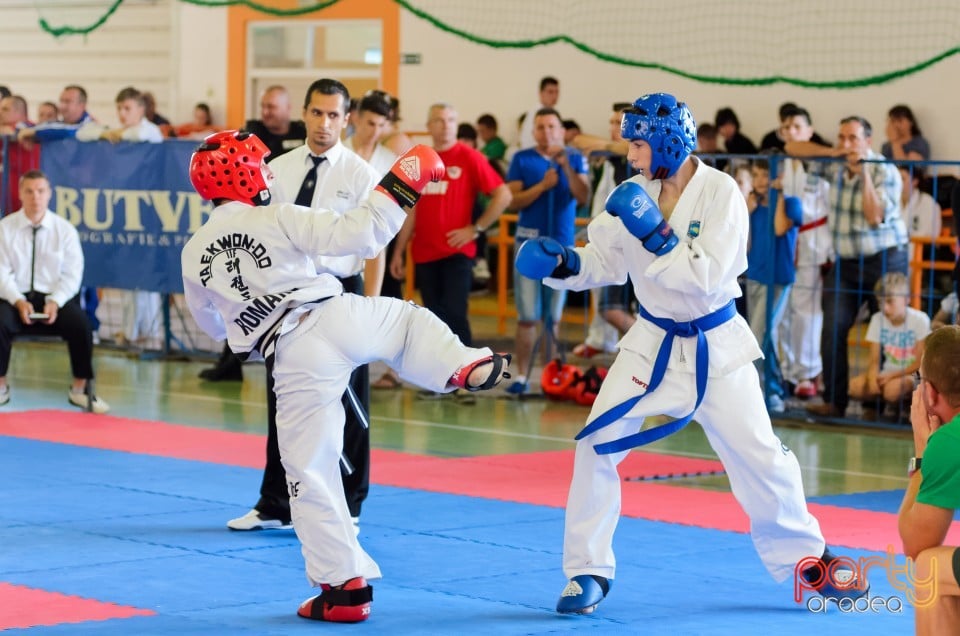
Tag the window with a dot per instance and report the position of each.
(296, 53)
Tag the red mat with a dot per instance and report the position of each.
(534, 478)
(27, 607)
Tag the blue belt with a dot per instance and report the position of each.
(673, 329)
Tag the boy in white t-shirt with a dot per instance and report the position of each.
(895, 334)
(921, 212)
(134, 126)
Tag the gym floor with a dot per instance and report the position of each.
(838, 461)
(836, 458)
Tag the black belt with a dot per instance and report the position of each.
(352, 284)
(266, 344)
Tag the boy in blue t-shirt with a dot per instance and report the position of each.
(771, 269)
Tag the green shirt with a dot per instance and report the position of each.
(941, 468)
(494, 149)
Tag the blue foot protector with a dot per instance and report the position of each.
(836, 584)
(582, 594)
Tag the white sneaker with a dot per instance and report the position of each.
(481, 271)
(253, 520)
(80, 399)
(356, 525)
(4, 394)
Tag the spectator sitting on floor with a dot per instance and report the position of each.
(895, 334)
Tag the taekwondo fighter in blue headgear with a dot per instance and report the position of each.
(679, 231)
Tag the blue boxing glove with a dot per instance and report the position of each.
(537, 258)
(641, 216)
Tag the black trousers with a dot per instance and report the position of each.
(445, 289)
(274, 497)
(72, 325)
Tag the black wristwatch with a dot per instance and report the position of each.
(913, 466)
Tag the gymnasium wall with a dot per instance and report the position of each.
(179, 51)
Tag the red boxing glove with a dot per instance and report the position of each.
(410, 174)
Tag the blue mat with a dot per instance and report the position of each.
(149, 532)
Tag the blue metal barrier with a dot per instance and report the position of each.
(928, 260)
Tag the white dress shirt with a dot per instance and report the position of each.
(58, 268)
(923, 216)
(146, 131)
(344, 180)
(381, 160)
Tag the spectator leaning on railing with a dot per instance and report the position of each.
(870, 240)
(73, 115)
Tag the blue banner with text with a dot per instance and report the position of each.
(132, 204)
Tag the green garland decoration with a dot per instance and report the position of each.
(68, 30)
(880, 78)
(84, 30)
(263, 9)
(712, 79)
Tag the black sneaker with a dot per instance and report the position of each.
(228, 367)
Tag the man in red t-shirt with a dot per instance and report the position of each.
(441, 226)
(20, 159)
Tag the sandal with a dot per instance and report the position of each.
(387, 382)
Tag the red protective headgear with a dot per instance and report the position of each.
(227, 166)
(585, 389)
(557, 378)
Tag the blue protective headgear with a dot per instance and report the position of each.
(667, 126)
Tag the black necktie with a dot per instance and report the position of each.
(309, 185)
(33, 258)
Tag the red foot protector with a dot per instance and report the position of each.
(22, 607)
(347, 603)
(498, 371)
